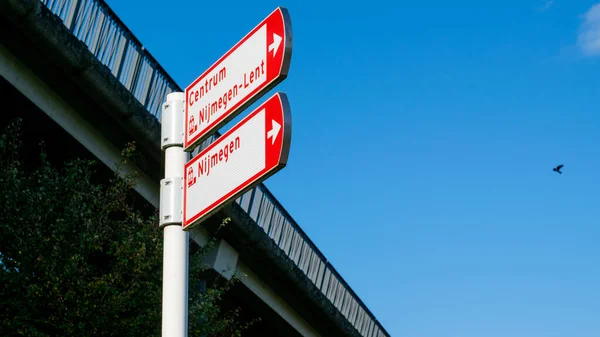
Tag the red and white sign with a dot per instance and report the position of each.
(246, 72)
(244, 156)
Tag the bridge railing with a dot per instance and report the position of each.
(95, 24)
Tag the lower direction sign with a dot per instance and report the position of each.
(244, 156)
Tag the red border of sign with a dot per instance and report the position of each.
(284, 21)
(276, 157)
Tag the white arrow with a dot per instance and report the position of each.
(274, 131)
(275, 45)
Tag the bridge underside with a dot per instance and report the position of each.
(103, 116)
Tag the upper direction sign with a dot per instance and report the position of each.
(246, 72)
(254, 149)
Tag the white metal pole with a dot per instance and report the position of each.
(176, 241)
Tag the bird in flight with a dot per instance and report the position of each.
(557, 169)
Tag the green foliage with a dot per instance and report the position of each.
(78, 259)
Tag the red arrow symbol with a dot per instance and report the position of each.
(274, 47)
(275, 127)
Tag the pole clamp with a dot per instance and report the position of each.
(171, 131)
(171, 201)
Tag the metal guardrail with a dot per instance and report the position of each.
(266, 211)
(95, 24)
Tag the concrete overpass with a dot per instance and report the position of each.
(80, 65)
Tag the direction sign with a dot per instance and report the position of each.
(250, 152)
(246, 72)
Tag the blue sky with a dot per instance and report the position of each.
(424, 138)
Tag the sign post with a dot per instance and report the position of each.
(176, 241)
(251, 151)
(246, 72)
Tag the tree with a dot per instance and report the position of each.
(81, 256)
